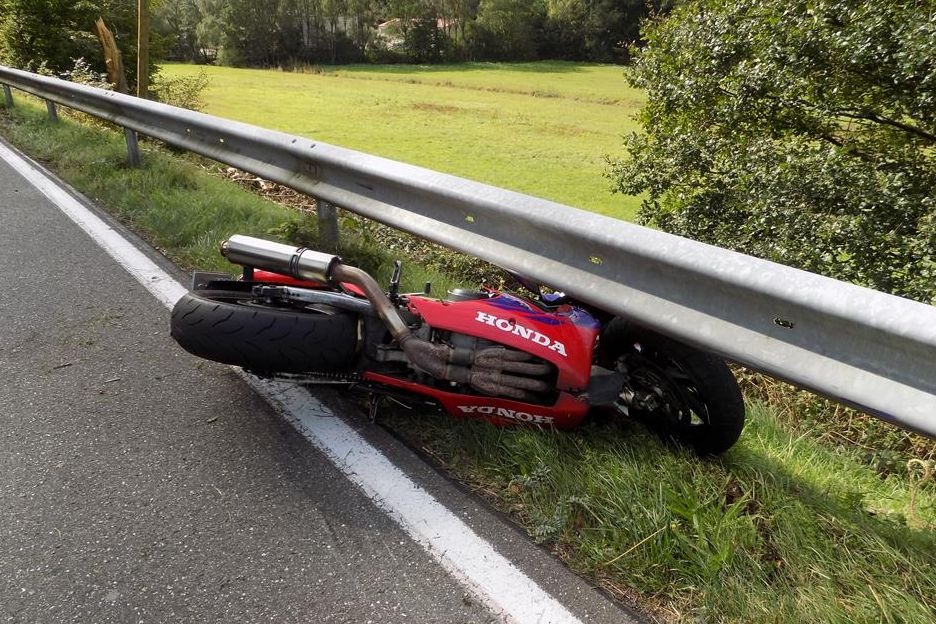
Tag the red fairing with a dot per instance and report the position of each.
(566, 413)
(269, 277)
(565, 337)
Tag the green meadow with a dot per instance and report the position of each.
(542, 129)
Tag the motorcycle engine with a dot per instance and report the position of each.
(464, 341)
(473, 343)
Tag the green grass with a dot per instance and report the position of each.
(599, 84)
(779, 530)
(179, 203)
(542, 128)
(171, 201)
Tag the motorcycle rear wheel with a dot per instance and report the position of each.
(230, 328)
(681, 393)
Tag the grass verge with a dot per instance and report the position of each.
(180, 203)
(781, 529)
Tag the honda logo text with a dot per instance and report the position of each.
(523, 332)
(490, 410)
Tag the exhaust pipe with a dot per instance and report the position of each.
(306, 264)
(483, 370)
(300, 262)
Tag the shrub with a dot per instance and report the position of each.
(800, 131)
(803, 132)
(181, 91)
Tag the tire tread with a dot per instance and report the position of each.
(216, 326)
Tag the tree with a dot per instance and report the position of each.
(509, 29)
(251, 34)
(594, 30)
(802, 131)
(565, 28)
(425, 42)
(177, 21)
(209, 31)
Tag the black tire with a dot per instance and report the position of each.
(227, 327)
(681, 393)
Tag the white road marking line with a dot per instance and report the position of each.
(157, 281)
(494, 580)
(505, 590)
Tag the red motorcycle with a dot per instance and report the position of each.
(304, 316)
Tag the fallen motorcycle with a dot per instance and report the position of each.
(306, 317)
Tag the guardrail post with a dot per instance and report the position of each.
(7, 96)
(50, 106)
(133, 147)
(327, 223)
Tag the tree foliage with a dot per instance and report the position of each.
(54, 33)
(594, 30)
(291, 32)
(283, 32)
(802, 131)
(509, 29)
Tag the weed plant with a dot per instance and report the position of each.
(884, 447)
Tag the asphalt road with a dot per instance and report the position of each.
(138, 484)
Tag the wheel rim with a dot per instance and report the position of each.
(661, 393)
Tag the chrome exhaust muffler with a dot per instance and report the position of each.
(307, 264)
(298, 262)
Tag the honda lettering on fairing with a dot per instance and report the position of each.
(504, 412)
(524, 332)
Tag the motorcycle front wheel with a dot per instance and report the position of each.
(230, 327)
(683, 394)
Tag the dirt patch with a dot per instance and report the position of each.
(564, 130)
(437, 108)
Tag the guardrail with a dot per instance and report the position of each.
(868, 349)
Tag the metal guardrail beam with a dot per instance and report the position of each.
(868, 349)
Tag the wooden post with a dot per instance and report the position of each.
(50, 106)
(7, 96)
(143, 36)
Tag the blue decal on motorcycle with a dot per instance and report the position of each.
(513, 304)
